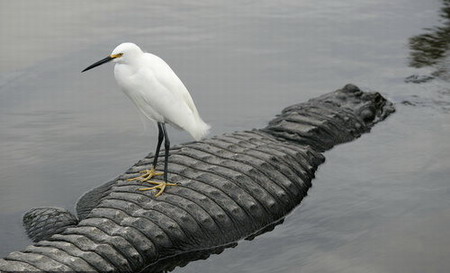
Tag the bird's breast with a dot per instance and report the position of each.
(127, 78)
(138, 85)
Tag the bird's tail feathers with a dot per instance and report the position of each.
(200, 131)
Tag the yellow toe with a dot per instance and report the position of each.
(159, 185)
(146, 175)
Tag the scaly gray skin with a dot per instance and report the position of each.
(234, 186)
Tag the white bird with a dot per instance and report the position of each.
(160, 95)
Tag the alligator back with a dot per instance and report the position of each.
(233, 186)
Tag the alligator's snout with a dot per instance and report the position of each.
(374, 108)
(370, 107)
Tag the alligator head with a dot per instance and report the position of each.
(369, 107)
(315, 122)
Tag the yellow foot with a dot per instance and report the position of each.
(159, 185)
(147, 175)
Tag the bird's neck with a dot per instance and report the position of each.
(131, 65)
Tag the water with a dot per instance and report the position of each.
(379, 204)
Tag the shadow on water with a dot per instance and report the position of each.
(170, 263)
(430, 49)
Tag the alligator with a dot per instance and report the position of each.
(232, 187)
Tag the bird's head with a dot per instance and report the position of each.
(123, 53)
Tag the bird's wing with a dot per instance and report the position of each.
(163, 102)
(167, 78)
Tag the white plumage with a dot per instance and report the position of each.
(160, 95)
(156, 90)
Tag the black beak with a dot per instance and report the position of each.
(105, 60)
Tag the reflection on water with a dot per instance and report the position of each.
(431, 48)
(171, 263)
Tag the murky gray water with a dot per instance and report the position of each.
(379, 204)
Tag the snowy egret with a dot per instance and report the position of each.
(160, 95)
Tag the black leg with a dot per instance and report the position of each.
(166, 150)
(161, 186)
(158, 146)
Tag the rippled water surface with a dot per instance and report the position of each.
(379, 204)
